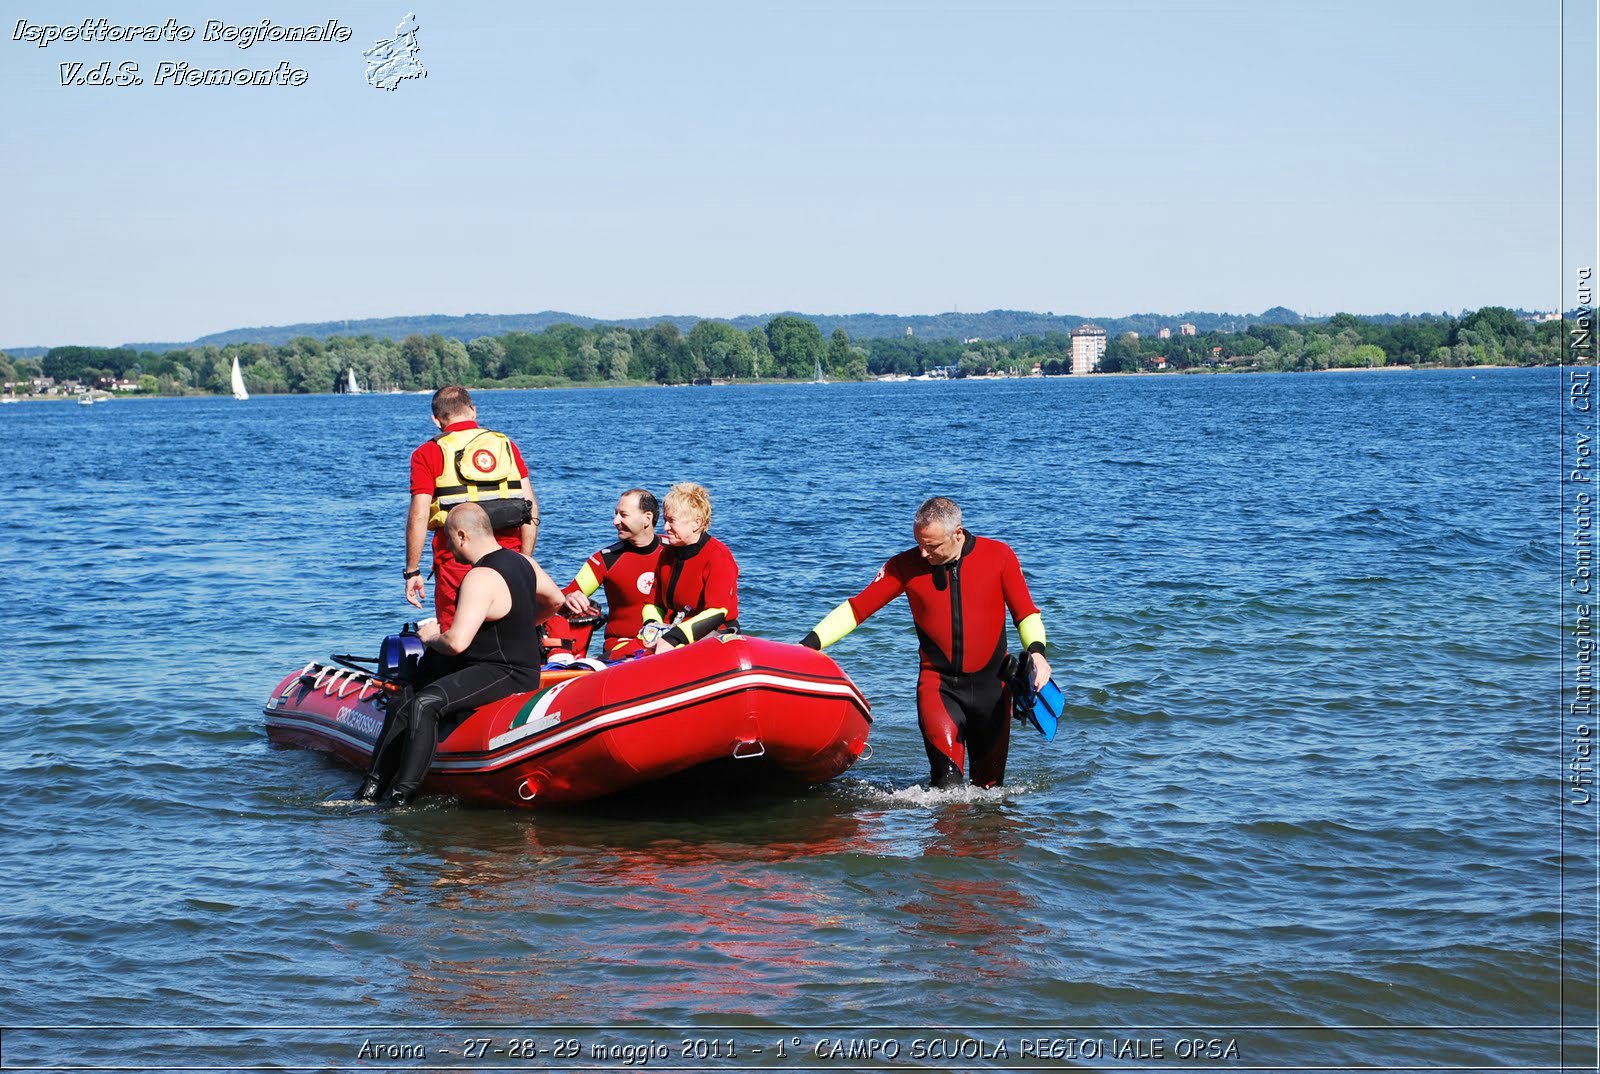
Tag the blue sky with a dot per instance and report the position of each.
(633, 159)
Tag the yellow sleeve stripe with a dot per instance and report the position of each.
(697, 626)
(1031, 631)
(702, 623)
(587, 582)
(651, 614)
(835, 625)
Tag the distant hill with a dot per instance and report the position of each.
(990, 324)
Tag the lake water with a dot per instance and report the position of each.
(1305, 809)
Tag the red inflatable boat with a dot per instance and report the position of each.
(724, 707)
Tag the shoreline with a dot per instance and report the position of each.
(752, 382)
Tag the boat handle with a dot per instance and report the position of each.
(740, 754)
(866, 752)
(527, 791)
(303, 679)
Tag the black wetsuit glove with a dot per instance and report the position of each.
(1018, 674)
(811, 641)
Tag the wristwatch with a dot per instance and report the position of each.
(408, 575)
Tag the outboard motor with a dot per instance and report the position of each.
(398, 658)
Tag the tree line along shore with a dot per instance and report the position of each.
(785, 348)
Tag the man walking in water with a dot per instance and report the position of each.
(490, 650)
(959, 586)
(464, 464)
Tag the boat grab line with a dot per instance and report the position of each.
(671, 701)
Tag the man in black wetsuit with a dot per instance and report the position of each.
(490, 651)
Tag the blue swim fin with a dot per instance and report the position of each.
(1045, 712)
(1042, 708)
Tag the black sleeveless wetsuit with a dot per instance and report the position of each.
(512, 640)
(502, 660)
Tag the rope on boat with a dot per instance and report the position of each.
(333, 683)
(340, 682)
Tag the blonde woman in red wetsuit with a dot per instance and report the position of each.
(697, 584)
(959, 586)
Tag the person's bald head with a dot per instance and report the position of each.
(469, 517)
(468, 527)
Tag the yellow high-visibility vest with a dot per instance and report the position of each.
(479, 467)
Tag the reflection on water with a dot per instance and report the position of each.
(966, 904)
(708, 916)
(706, 921)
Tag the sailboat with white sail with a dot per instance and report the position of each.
(238, 381)
(351, 387)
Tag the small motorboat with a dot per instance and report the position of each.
(728, 709)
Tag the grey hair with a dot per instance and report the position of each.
(940, 509)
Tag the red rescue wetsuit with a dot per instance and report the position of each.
(959, 610)
(693, 582)
(628, 575)
(427, 465)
